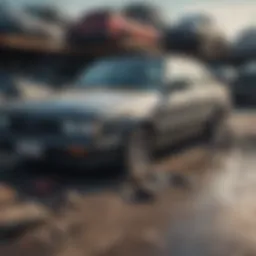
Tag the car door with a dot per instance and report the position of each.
(206, 90)
(179, 113)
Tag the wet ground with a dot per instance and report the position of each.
(98, 220)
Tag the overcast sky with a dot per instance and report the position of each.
(232, 15)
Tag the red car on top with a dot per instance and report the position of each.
(107, 26)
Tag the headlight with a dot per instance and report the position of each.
(77, 128)
(4, 121)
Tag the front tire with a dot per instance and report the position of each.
(138, 159)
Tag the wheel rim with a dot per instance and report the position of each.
(140, 162)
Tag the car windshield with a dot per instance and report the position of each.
(122, 73)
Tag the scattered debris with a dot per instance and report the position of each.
(74, 200)
(21, 216)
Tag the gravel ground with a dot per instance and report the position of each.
(98, 221)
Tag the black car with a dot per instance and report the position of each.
(244, 47)
(244, 86)
(121, 110)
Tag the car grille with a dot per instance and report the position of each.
(34, 126)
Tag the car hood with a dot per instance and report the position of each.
(91, 102)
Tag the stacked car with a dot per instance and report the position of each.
(104, 26)
(197, 34)
(24, 22)
(136, 24)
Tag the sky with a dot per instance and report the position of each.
(231, 15)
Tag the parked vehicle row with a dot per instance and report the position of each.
(197, 34)
(140, 22)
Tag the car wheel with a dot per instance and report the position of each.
(140, 175)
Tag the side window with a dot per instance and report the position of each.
(177, 70)
(198, 73)
(188, 71)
